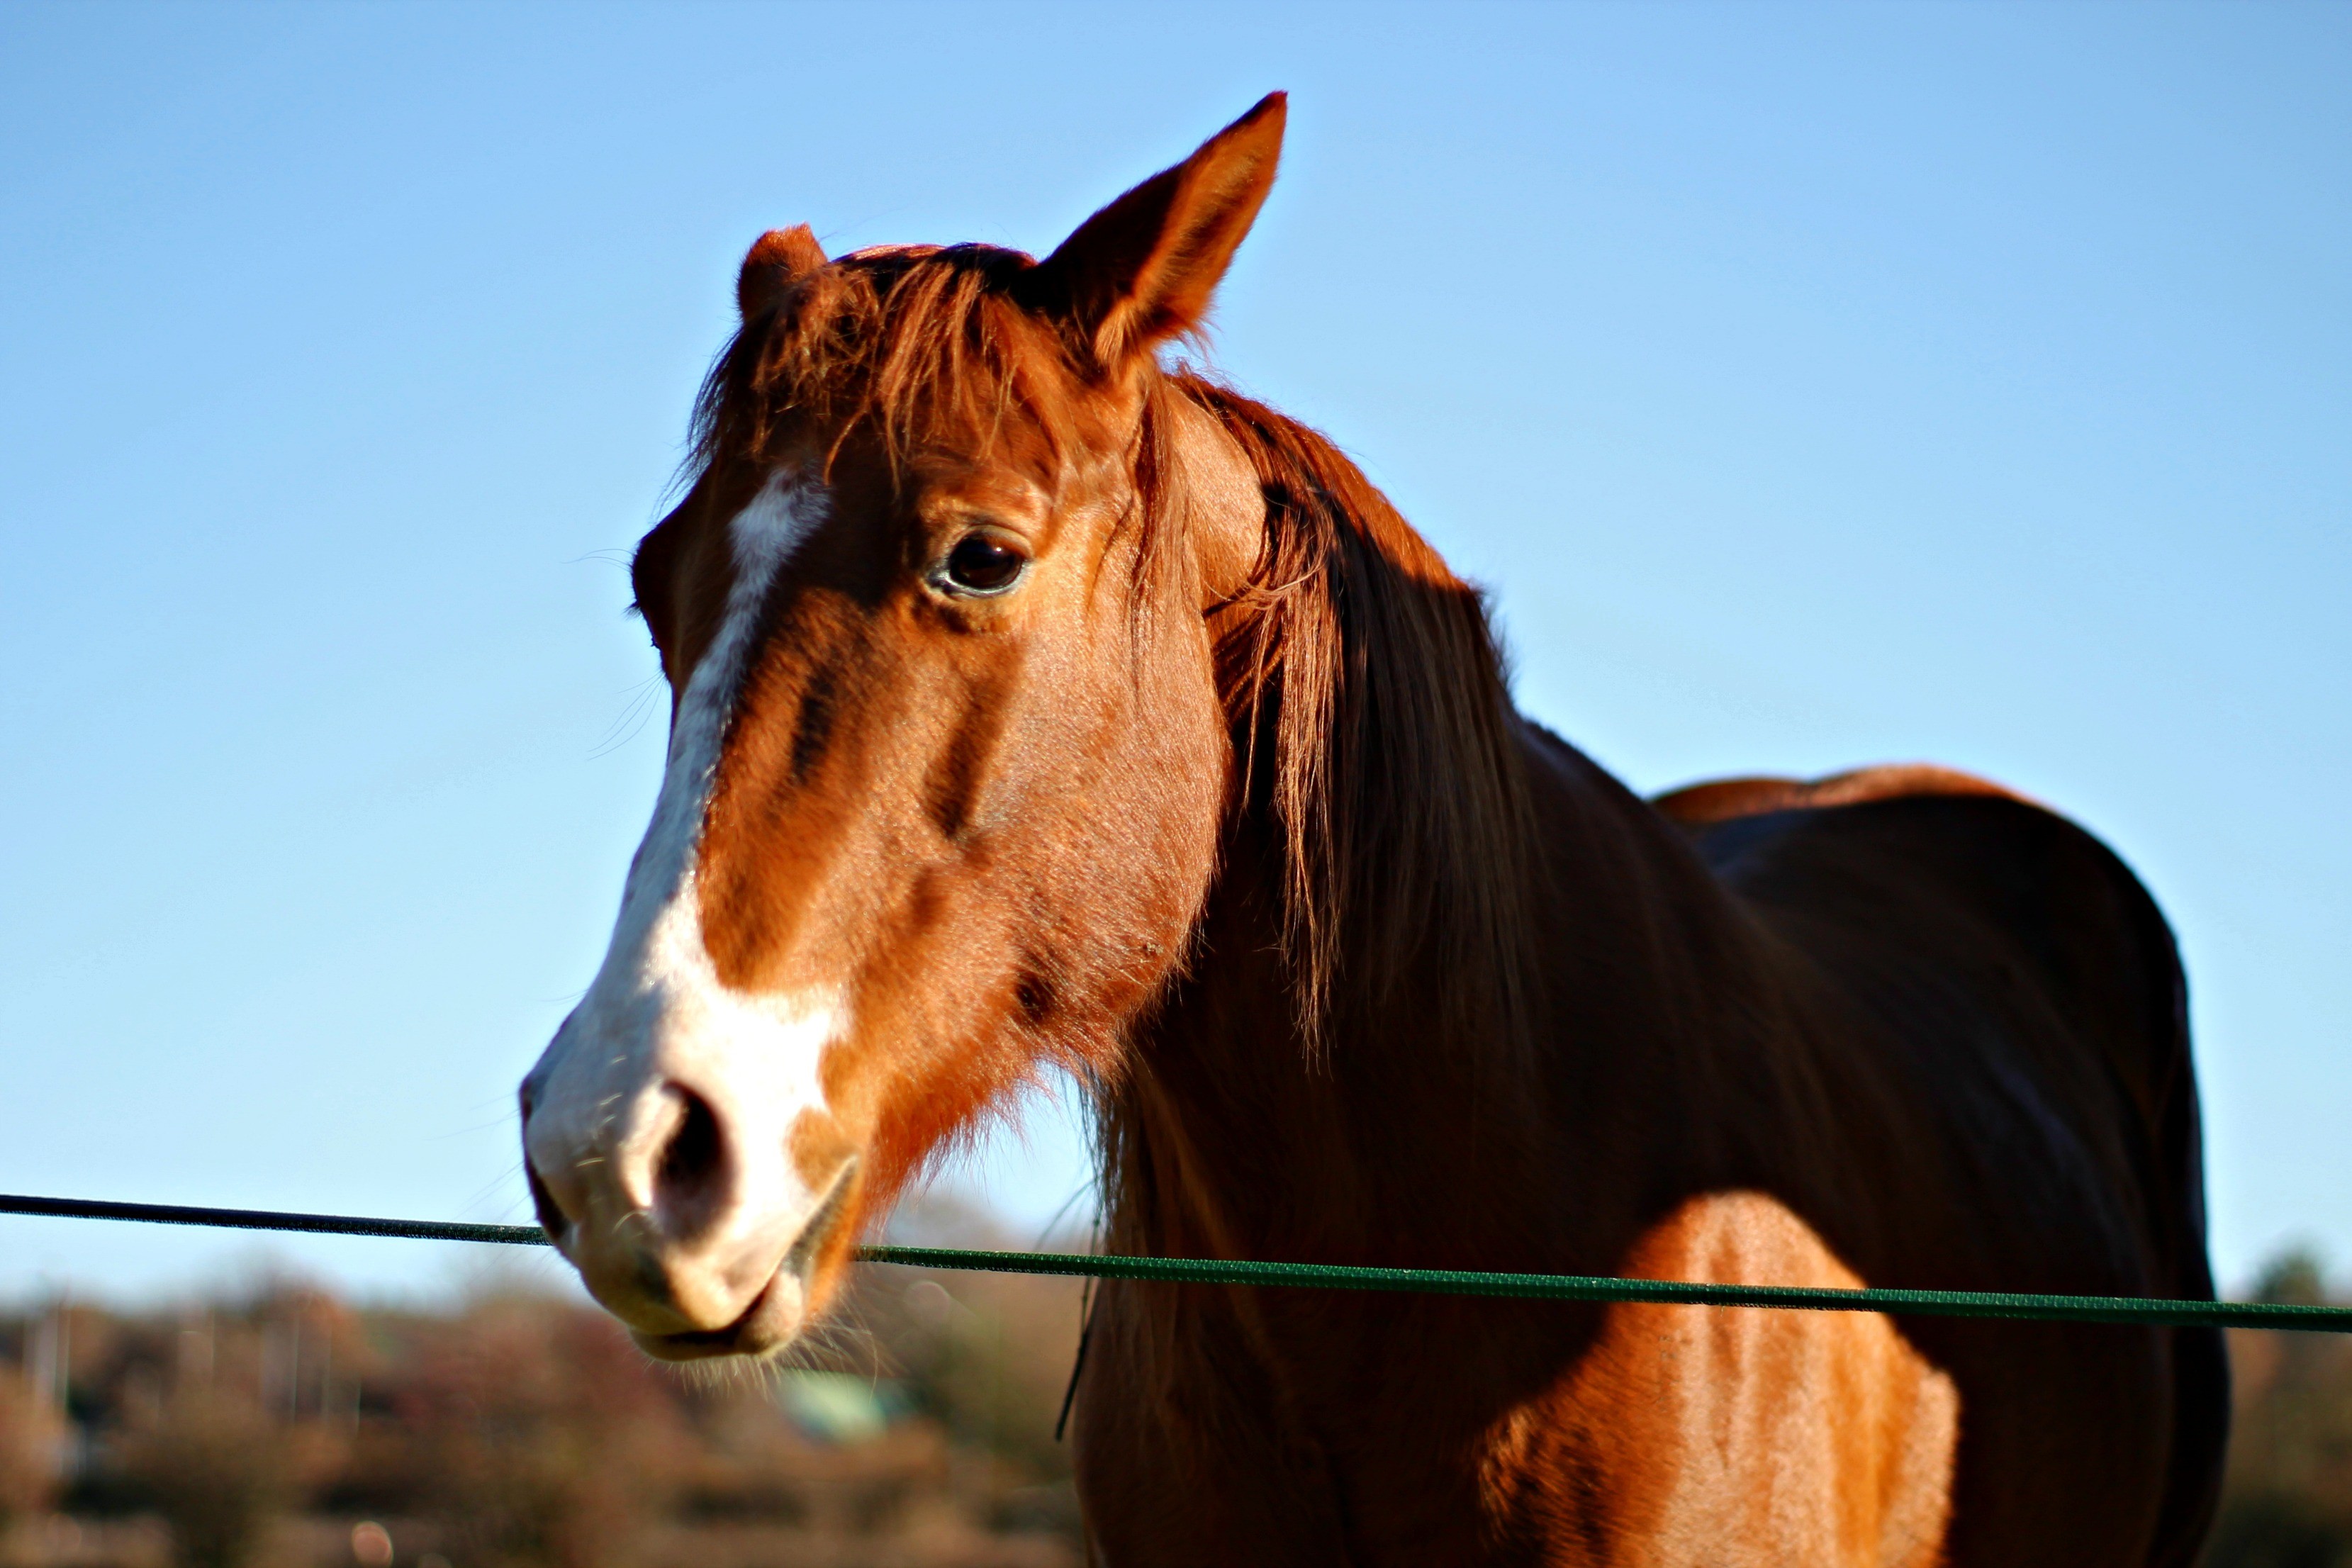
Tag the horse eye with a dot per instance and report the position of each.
(982, 563)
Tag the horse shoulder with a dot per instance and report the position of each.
(1691, 1436)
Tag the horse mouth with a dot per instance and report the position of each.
(780, 1311)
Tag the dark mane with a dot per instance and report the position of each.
(1377, 718)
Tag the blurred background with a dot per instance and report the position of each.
(1811, 385)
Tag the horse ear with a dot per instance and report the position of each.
(778, 259)
(1142, 269)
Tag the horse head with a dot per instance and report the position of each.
(948, 754)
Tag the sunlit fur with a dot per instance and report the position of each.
(1226, 810)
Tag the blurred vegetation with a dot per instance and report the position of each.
(520, 1429)
(216, 1467)
(32, 1448)
(2289, 1501)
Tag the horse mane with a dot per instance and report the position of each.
(1372, 704)
(1375, 714)
(901, 341)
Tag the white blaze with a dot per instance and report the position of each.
(658, 1015)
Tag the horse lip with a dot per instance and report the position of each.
(785, 1295)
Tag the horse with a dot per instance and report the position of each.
(1041, 703)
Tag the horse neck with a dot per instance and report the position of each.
(1502, 944)
(1417, 1131)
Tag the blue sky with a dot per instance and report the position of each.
(1812, 386)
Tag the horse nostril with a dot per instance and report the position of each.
(689, 1181)
(552, 1218)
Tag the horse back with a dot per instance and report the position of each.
(1892, 878)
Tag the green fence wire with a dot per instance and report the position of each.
(2149, 1311)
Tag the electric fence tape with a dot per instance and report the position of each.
(2149, 1311)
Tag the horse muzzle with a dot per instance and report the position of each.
(682, 1204)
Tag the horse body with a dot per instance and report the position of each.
(1039, 705)
(1812, 1048)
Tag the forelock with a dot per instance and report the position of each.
(905, 344)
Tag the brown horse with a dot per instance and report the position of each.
(1036, 704)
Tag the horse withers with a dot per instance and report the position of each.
(1040, 706)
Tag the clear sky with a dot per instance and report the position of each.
(1812, 386)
